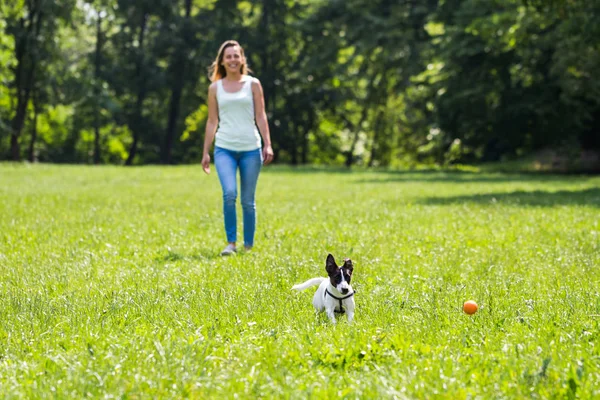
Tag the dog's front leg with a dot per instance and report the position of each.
(350, 314)
(330, 314)
(350, 310)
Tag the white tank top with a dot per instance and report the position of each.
(237, 128)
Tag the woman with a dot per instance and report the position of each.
(236, 106)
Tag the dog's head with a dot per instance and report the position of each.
(339, 276)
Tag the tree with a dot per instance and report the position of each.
(179, 70)
(32, 24)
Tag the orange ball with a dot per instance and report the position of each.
(470, 307)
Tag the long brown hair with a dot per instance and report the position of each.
(217, 71)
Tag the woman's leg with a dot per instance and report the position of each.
(226, 165)
(250, 164)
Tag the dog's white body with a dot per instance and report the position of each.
(328, 297)
(325, 302)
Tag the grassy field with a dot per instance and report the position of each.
(111, 285)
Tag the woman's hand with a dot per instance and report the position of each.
(206, 163)
(267, 155)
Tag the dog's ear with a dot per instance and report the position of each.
(348, 265)
(330, 265)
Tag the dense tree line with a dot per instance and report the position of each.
(372, 82)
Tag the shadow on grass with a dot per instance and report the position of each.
(305, 169)
(201, 255)
(464, 177)
(585, 197)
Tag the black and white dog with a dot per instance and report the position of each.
(334, 295)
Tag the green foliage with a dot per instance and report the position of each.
(506, 76)
(53, 130)
(115, 140)
(353, 82)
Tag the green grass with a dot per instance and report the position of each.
(111, 285)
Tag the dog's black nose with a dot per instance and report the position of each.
(344, 291)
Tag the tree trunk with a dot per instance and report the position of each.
(19, 118)
(24, 77)
(172, 122)
(363, 117)
(293, 126)
(31, 153)
(307, 128)
(97, 66)
(382, 91)
(268, 69)
(137, 114)
(374, 145)
(179, 69)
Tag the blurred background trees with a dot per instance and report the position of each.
(367, 82)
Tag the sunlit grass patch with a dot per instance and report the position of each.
(111, 285)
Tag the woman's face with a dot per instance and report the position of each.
(232, 59)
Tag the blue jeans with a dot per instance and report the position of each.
(249, 162)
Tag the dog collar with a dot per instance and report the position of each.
(342, 311)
